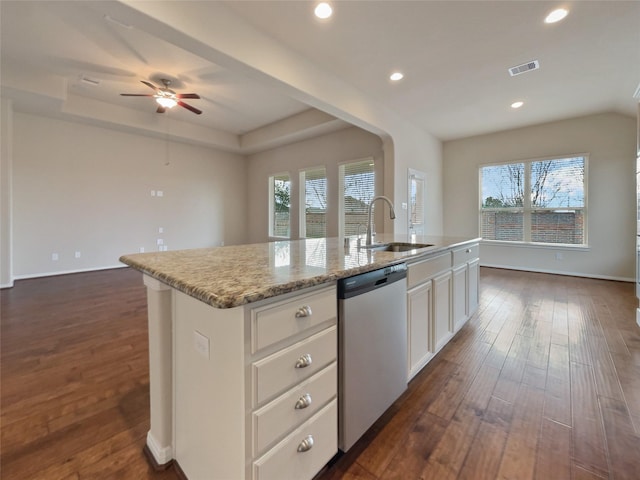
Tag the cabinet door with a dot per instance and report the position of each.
(473, 277)
(442, 319)
(460, 310)
(419, 312)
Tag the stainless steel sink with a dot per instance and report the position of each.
(399, 246)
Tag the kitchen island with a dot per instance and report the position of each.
(225, 323)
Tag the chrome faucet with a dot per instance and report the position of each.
(392, 215)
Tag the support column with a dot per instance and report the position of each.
(159, 447)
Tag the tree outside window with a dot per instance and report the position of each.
(553, 211)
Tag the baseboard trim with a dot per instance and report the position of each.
(66, 272)
(638, 316)
(159, 457)
(6, 285)
(559, 272)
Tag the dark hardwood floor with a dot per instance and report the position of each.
(542, 383)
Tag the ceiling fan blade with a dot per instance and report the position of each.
(189, 107)
(187, 95)
(160, 109)
(150, 85)
(136, 95)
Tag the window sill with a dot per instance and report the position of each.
(542, 246)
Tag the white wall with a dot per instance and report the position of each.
(608, 138)
(329, 151)
(83, 188)
(6, 154)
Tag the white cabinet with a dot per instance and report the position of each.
(465, 284)
(256, 387)
(442, 295)
(460, 281)
(428, 308)
(443, 326)
(419, 316)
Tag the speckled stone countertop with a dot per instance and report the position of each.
(226, 277)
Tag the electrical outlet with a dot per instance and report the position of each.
(78, 254)
(160, 193)
(559, 256)
(153, 193)
(160, 229)
(201, 344)
(141, 249)
(160, 241)
(55, 257)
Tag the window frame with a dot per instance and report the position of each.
(527, 209)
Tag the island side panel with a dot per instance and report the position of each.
(160, 436)
(209, 384)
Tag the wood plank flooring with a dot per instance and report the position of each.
(542, 383)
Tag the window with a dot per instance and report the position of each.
(553, 211)
(357, 188)
(416, 202)
(279, 205)
(313, 199)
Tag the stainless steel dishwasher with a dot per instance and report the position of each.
(372, 322)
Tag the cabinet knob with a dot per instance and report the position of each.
(304, 311)
(306, 444)
(304, 361)
(468, 250)
(303, 402)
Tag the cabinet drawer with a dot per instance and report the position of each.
(288, 411)
(465, 254)
(285, 461)
(278, 372)
(275, 322)
(426, 269)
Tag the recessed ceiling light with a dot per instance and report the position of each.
(517, 104)
(323, 10)
(557, 15)
(395, 76)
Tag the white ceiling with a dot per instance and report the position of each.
(454, 54)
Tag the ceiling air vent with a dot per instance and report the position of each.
(525, 67)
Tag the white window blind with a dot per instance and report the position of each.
(416, 203)
(314, 209)
(552, 210)
(357, 182)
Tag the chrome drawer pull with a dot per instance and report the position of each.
(303, 402)
(304, 312)
(306, 444)
(304, 361)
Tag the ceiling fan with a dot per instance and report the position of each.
(165, 97)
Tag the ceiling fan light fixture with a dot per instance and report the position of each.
(166, 102)
(556, 15)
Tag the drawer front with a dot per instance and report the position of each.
(275, 322)
(286, 461)
(426, 269)
(465, 254)
(287, 412)
(283, 369)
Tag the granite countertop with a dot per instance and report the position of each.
(226, 277)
